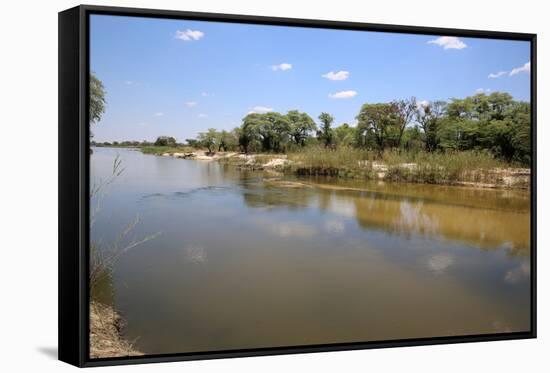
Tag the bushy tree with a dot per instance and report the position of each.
(193, 142)
(226, 140)
(301, 126)
(325, 133)
(208, 139)
(270, 130)
(429, 117)
(165, 141)
(97, 99)
(344, 135)
(413, 139)
(405, 111)
(378, 121)
(493, 122)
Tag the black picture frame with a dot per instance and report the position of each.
(73, 250)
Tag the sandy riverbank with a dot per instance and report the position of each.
(105, 333)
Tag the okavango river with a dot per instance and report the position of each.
(244, 260)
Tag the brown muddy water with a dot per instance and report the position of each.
(248, 260)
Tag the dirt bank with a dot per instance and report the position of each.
(105, 333)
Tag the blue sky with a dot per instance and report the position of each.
(178, 77)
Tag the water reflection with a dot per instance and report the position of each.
(501, 221)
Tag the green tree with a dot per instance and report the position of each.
(249, 137)
(378, 121)
(270, 130)
(429, 117)
(97, 99)
(274, 129)
(344, 135)
(405, 111)
(226, 140)
(165, 141)
(301, 126)
(325, 134)
(492, 122)
(208, 139)
(193, 142)
(413, 139)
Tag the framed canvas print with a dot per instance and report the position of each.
(236, 185)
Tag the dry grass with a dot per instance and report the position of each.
(342, 161)
(105, 333)
(442, 168)
(469, 168)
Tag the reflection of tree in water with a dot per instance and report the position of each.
(486, 228)
(501, 221)
(413, 220)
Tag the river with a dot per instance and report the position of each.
(247, 260)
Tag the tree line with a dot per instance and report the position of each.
(494, 123)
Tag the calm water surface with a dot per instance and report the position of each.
(244, 261)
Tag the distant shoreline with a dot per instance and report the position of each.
(411, 172)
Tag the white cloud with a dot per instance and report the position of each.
(189, 35)
(203, 115)
(343, 94)
(260, 110)
(340, 75)
(204, 94)
(526, 68)
(449, 42)
(281, 66)
(130, 82)
(159, 114)
(191, 103)
(497, 75)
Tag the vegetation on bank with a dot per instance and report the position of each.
(472, 168)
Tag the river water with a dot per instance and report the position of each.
(248, 260)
